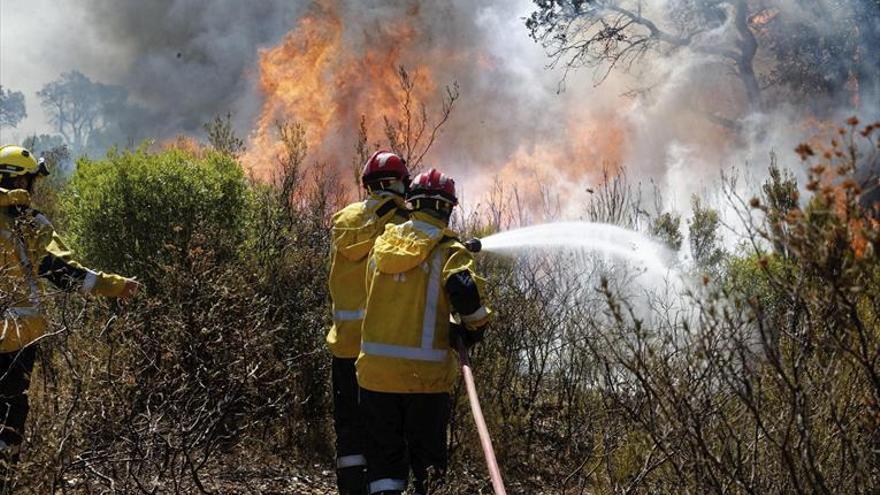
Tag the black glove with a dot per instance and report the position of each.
(16, 211)
(467, 337)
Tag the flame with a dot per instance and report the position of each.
(313, 78)
(319, 77)
(188, 144)
(763, 18)
(542, 174)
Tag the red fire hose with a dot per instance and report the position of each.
(477, 411)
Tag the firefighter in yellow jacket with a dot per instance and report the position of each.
(355, 228)
(30, 249)
(418, 277)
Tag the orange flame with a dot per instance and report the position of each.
(311, 77)
(763, 17)
(581, 155)
(318, 76)
(181, 142)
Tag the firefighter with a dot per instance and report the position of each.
(385, 179)
(30, 249)
(419, 277)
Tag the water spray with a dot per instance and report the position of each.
(610, 240)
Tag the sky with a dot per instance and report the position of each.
(36, 48)
(180, 58)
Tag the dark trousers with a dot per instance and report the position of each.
(405, 432)
(350, 429)
(15, 378)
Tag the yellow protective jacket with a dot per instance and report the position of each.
(354, 230)
(30, 249)
(419, 275)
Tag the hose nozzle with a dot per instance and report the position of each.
(474, 245)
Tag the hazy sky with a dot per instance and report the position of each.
(182, 59)
(36, 48)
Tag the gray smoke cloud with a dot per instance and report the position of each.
(189, 59)
(181, 61)
(184, 61)
(685, 116)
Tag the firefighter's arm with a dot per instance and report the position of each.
(465, 288)
(353, 244)
(59, 267)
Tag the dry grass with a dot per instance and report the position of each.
(760, 378)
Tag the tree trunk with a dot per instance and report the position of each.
(868, 69)
(748, 46)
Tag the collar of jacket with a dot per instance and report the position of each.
(384, 195)
(418, 216)
(405, 246)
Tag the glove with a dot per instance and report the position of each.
(467, 337)
(132, 287)
(14, 197)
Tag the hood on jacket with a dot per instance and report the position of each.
(403, 247)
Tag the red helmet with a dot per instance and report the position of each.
(384, 165)
(433, 185)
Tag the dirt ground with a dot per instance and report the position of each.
(273, 480)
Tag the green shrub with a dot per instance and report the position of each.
(224, 353)
(137, 212)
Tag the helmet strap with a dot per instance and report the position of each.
(395, 186)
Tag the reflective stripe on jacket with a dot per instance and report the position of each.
(31, 249)
(355, 228)
(405, 345)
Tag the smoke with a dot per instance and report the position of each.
(677, 117)
(182, 61)
(190, 59)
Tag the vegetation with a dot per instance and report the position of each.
(12, 107)
(758, 373)
(200, 202)
(769, 49)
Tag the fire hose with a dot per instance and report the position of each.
(475, 246)
(477, 412)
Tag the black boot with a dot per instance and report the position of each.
(352, 480)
